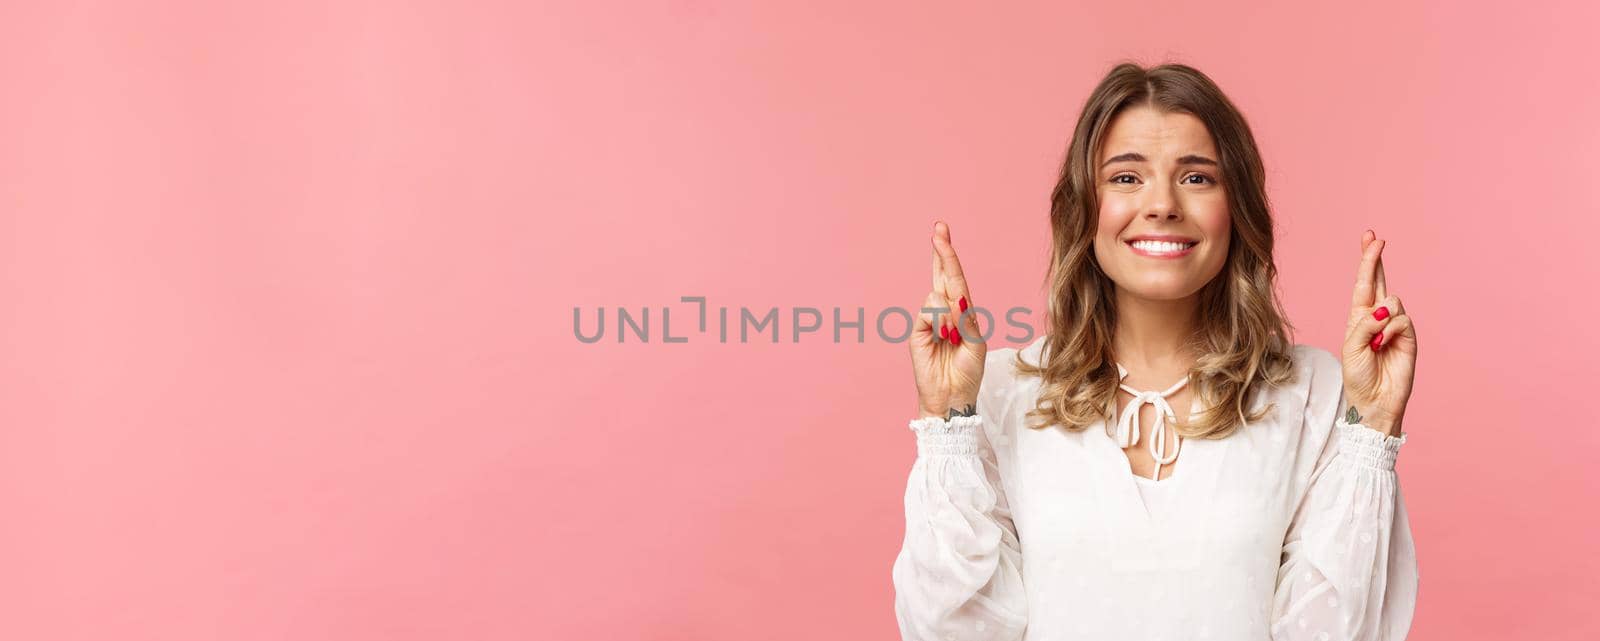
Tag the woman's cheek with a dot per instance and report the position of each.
(1114, 215)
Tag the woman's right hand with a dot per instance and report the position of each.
(948, 364)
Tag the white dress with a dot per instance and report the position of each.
(1292, 527)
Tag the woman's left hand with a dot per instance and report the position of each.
(1380, 347)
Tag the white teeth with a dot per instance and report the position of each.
(1159, 246)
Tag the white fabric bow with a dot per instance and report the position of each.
(1128, 425)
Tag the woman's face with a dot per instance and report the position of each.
(1158, 176)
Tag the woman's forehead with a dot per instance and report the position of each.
(1153, 132)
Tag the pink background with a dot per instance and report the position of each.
(287, 296)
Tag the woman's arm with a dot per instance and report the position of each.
(959, 571)
(1349, 568)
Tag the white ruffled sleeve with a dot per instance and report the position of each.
(959, 571)
(1349, 567)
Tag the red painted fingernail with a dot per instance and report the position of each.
(1377, 342)
(963, 303)
(955, 337)
(1381, 313)
(944, 332)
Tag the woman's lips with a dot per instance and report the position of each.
(1162, 254)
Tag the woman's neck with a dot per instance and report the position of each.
(1152, 335)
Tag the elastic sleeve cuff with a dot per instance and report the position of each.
(1369, 447)
(936, 435)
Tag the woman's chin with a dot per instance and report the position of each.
(1163, 290)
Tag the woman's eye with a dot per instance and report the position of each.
(1119, 179)
(1204, 179)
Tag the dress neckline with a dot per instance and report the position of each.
(1127, 426)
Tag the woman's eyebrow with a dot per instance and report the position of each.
(1134, 156)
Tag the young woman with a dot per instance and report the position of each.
(1059, 493)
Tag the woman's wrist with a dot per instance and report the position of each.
(954, 409)
(1380, 421)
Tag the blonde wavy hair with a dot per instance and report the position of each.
(1243, 340)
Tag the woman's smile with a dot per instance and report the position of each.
(1161, 249)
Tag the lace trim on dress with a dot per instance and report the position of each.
(1368, 446)
(957, 435)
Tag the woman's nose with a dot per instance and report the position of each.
(1163, 203)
